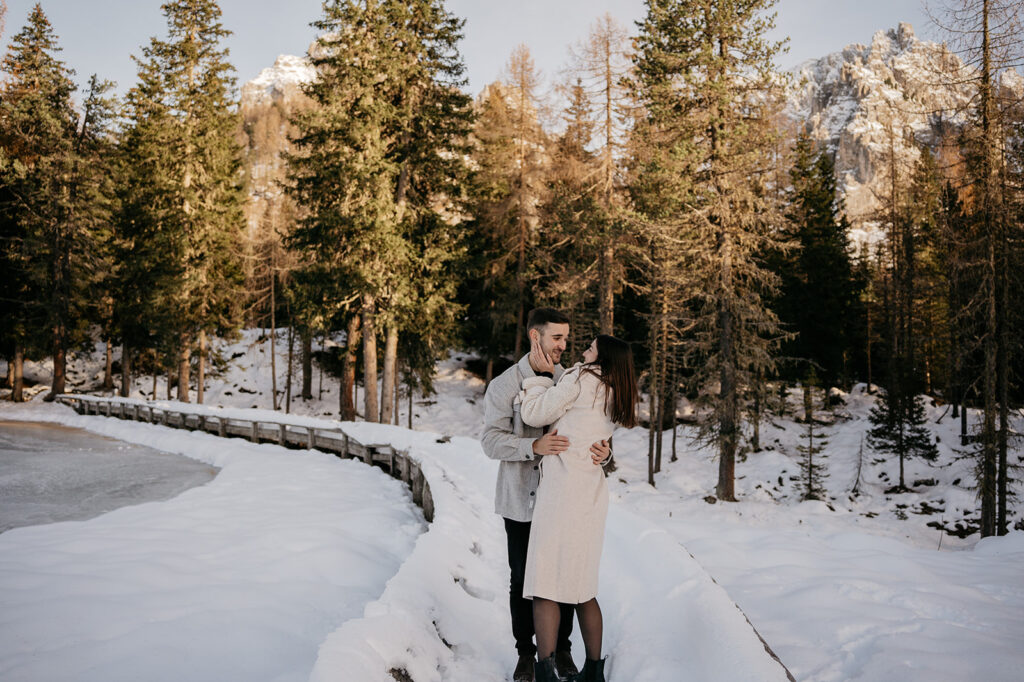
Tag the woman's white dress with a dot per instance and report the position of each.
(567, 533)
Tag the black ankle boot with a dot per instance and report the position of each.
(545, 670)
(593, 671)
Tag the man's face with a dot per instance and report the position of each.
(553, 337)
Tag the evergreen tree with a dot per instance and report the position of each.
(378, 168)
(489, 289)
(43, 301)
(705, 77)
(818, 284)
(814, 444)
(185, 206)
(899, 429)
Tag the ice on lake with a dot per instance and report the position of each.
(54, 473)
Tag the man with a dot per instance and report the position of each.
(519, 448)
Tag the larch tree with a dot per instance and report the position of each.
(600, 64)
(510, 161)
(986, 33)
(705, 77)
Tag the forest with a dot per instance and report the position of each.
(662, 196)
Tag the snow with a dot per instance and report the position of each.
(857, 586)
(287, 72)
(239, 579)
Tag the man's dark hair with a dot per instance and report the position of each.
(539, 317)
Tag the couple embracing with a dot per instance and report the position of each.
(549, 428)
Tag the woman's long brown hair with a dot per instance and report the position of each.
(615, 358)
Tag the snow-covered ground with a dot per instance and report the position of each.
(238, 579)
(855, 587)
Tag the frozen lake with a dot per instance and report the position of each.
(54, 473)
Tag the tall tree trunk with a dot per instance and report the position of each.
(108, 366)
(201, 378)
(409, 386)
(755, 440)
(288, 379)
(184, 367)
(60, 361)
(307, 365)
(273, 342)
(320, 373)
(654, 390)
(606, 307)
(346, 401)
(398, 394)
(989, 445)
(1002, 375)
(673, 400)
(388, 383)
(370, 409)
(728, 412)
(126, 370)
(18, 375)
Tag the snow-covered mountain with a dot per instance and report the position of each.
(894, 94)
(277, 83)
(267, 104)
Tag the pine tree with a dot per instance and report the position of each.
(899, 429)
(38, 124)
(186, 199)
(818, 284)
(705, 77)
(811, 467)
(378, 166)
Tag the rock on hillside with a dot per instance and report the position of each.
(867, 100)
(267, 103)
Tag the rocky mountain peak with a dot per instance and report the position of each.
(868, 104)
(284, 79)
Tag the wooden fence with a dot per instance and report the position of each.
(398, 463)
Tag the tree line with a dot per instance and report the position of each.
(664, 200)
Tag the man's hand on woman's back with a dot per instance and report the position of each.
(550, 444)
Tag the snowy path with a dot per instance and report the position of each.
(208, 566)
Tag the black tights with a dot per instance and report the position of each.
(547, 616)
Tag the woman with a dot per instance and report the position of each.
(572, 500)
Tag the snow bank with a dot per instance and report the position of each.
(239, 579)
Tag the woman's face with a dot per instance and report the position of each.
(590, 354)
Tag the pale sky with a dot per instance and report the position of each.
(100, 35)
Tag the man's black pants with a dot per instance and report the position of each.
(518, 534)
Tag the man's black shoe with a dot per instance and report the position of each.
(524, 669)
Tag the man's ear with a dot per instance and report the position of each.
(534, 335)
